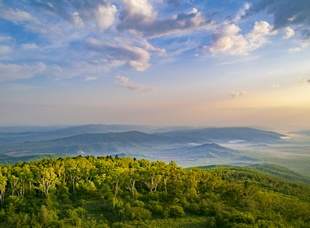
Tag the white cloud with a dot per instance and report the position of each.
(300, 45)
(289, 32)
(238, 94)
(228, 40)
(29, 46)
(16, 16)
(5, 39)
(292, 18)
(135, 57)
(105, 16)
(136, 13)
(126, 83)
(257, 37)
(140, 16)
(77, 20)
(242, 12)
(182, 23)
(10, 72)
(82, 14)
(294, 50)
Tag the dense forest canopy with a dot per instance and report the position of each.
(123, 192)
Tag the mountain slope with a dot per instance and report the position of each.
(240, 134)
(264, 168)
(210, 150)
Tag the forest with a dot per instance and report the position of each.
(106, 191)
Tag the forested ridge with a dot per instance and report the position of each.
(123, 192)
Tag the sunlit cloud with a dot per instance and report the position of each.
(288, 33)
(228, 39)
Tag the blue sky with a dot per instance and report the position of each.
(201, 63)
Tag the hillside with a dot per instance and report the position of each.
(240, 134)
(5, 159)
(264, 168)
(122, 192)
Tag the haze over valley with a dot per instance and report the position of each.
(186, 146)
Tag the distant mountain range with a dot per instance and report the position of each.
(169, 143)
(228, 134)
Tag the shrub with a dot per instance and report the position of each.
(176, 211)
(139, 213)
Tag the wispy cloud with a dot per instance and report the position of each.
(15, 15)
(81, 14)
(234, 95)
(29, 46)
(133, 56)
(144, 19)
(90, 78)
(4, 39)
(242, 12)
(125, 82)
(294, 50)
(10, 72)
(5, 49)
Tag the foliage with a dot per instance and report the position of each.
(123, 192)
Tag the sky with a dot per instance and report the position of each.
(155, 62)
